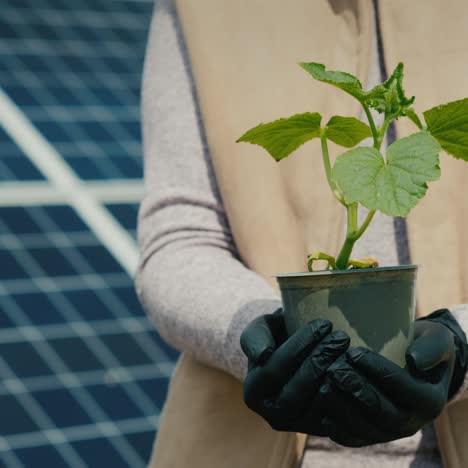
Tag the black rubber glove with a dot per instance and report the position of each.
(378, 401)
(285, 374)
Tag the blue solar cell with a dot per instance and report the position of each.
(10, 268)
(52, 261)
(88, 304)
(75, 63)
(18, 220)
(7, 31)
(97, 132)
(156, 389)
(5, 322)
(47, 455)
(142, 442)
(22, 169)
(98, 453)
(126, 349)
(100, 259)
(115, 401)
(44, 32)
(129, 166)
(116, 65)
(38, 308)
(76, 354)
(53, 131)
(85, 168)
(128, 297)
(123, 34)
(134, 128)
(126, 213)
(20, 95)
(23, 359)
(64, 95)
(33, 62)
(106, 97)
(15, 418)
(65, 218)
(62, 408)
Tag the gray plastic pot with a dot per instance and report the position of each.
(374, 306)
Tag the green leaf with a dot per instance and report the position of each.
(347, 131)
(342, 80)
(389, 96)
(448, 123)
(394, 186)
(411, 114)
(281, 137)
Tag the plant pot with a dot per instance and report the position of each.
(374, 306)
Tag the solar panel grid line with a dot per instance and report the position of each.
(68, 46)
(77, 433)
(44, 155)
(44, 284)
(77, 111)
(82, 396)
(28, 193)
(80, 328)
(84, 378)
(40, 417)
(55, 239)
(82, 17)
(8, 456)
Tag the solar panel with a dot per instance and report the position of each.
(84, 374)
(75, 70)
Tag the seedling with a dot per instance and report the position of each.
(392, 183)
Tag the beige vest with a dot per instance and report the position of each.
(244, 56)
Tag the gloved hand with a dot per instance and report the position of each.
(375, 400)
(285, 374)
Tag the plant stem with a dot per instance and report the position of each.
(364, 225)
(352, 219)
(381, 132)
(375, 133)
(326, 163)
(345, 252)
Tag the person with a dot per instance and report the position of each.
(203, 297)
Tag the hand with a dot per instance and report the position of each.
(378, 401)
(285, 374)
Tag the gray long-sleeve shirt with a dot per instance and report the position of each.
(185, 241)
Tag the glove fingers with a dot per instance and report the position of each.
(310, 419)
(433, 344)
(406, 390)
(266, 381)
(375, 405)
(304, 384)
(354, 428)
(262, 336)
